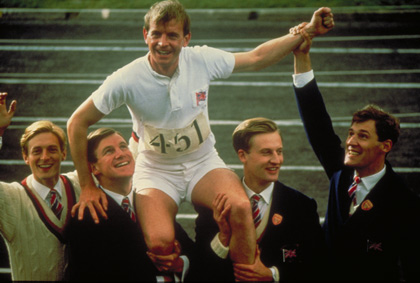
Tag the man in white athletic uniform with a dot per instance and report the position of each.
(166, 92)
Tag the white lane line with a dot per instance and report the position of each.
(140, 42)
(335, 50)
(19, 162)
(126, 123)
(221, 83)
(248, 74)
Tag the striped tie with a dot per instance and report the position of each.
(352, 192)
(127, 208)
(55, 203)
(256, 210)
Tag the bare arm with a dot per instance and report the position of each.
(302, 60)
(6, 115)
(275, 50)
(77, 126)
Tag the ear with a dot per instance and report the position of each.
(25, 158)
(63, 155)
(145, 35)
(95, 171)
(386, 145)
(242, 155)
(187, 39)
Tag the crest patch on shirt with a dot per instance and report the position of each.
(201, 97)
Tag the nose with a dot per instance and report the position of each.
(118, 153)
(351, 140)
(275, 158)
(45, 155)
(163, 40)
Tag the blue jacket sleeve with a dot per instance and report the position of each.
(319, 128)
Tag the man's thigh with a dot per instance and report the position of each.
(218, 181)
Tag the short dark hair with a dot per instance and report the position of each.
(243, 133)
(387, 126)
(165, 11)
(94, 138)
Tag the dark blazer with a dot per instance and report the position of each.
(298, 231)
(113, 250)
(380, 241)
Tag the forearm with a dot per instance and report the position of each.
(77, 133)
(77, 127)
(302, 63)
(267, 53)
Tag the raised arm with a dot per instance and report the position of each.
(6, 114)
(274, 50)
(77, 127)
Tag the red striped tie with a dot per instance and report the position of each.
(127, 208)
(256, 210)
(55, 203)
(353, 188)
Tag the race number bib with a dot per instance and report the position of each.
(176, 142)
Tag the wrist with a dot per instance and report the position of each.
(310, 29)
(224, 240)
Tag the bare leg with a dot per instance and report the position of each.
(156, 214)
(243, 241)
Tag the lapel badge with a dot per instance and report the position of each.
(374, 247)
(367, 205)
(291, 253)
(277, 219)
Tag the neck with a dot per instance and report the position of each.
(49, 183)
(257, 187)
(164, 70)
(365, 172)
(120, 186)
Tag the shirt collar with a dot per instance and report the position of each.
(118, 197)
(370, 181)
(43, 191)
(266, 194)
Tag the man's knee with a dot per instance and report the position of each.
(240, 211)
(160, 245)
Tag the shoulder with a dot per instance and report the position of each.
(205, 51)
(280, 188)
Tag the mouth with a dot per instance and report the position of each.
(164, 53)
(352, 152)
(125, 163)
(273, 169)
(45, 166)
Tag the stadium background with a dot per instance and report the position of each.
(51, 60)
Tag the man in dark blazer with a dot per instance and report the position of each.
(114, 249)
(290, 238)
(372, 229)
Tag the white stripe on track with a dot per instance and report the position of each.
(19, 162)
(335, 50)
(139, 42)
(221, 83)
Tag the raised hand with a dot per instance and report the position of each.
(6, 114)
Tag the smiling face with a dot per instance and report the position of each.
(165, 41)
(44, 156)
(364, 151)
(263, 160)
(114, 160)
